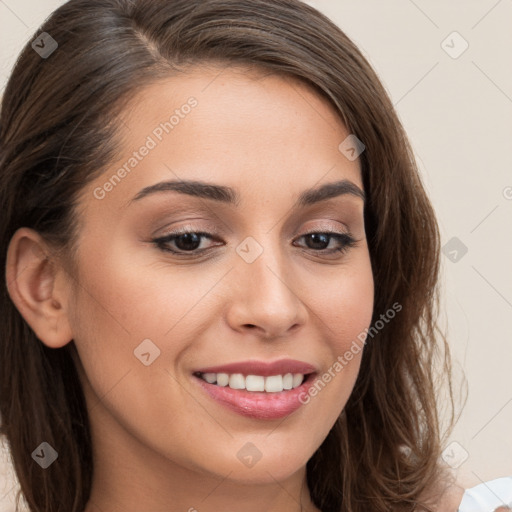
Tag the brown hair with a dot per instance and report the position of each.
(58, 132)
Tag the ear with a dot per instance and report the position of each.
(39, 287)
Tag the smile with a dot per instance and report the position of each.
(274, 401)
(269, 384)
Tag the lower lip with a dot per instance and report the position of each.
(258, 404)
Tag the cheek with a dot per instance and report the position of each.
(344, 304)
(121, 302)
(344, 307)
(113, 313)
(121, 298)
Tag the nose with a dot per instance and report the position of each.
(264, 297)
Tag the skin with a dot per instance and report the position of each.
(160, 443)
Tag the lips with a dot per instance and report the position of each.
(258, 405)
(277, 401)
(263, 368)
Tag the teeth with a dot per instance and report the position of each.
(210, 377)
(288, 381)
(237, 381)
(274, 383)
(222, 379)
(297, 380)
(270, 384)
(254, 383)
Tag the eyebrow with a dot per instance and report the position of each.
(230, 196)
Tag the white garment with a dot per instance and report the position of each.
(488, 496)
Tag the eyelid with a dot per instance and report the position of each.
(215, 232)
(208, 227)
(345, 236)
(330, 228)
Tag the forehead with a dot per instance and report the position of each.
(236, 126)
(233, 105)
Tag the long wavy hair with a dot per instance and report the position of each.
(58, 122)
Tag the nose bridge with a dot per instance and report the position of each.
(263, 263)
(264, 288)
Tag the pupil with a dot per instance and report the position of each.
(321, 238)
(189, 238)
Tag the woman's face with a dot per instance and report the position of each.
(256, 289)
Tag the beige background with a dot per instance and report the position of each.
(457, 110)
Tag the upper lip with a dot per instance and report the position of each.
(263, 368)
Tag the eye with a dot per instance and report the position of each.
(321, 241)
(186, 242)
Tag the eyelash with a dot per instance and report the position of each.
(347, 239)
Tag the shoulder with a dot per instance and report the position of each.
(488, 496)
(485, 497)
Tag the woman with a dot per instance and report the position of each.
(221, 268)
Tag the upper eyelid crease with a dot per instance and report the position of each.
(229, 195)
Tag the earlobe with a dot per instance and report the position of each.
(38, 287)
